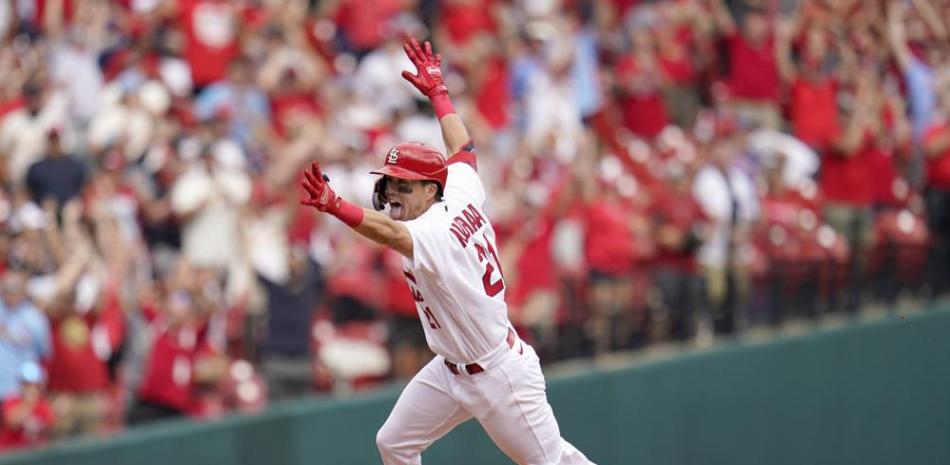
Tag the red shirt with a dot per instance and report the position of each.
(683, 213)
(358, 279)
(168, 371)
(302, 222)
(282, 105)
(32, 431)
(363, 22)
(814, 112)
(850, 180)
(493, 99)
(462, 19)
(536, 268)
(210, 28)
(753, 73)
(782, 209)
(781, 213)
(111, 318)
(675, 60)
(74, 366)
(609, 246)
(622, 6)
(938, 168)
(643, 113)
(885, 176)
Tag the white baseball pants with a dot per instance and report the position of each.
(508, 399)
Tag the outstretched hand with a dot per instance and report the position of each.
(320, 195)
(428, 77)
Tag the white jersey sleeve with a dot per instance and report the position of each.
(463, 183)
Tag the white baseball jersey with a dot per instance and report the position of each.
(454, 274)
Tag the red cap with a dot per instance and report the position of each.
(415, 161)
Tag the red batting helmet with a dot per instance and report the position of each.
(415, 161)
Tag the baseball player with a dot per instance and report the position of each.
(481, 368)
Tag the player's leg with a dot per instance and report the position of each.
(425, 412)
(518, 417)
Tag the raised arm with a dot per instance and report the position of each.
(369, 223)
(930, 16)
(897, 35)
(860, 120)
(428, 79)
(723, 18)
(783, 50)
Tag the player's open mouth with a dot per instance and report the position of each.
(395, 209)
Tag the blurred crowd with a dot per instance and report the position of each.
(657, 170)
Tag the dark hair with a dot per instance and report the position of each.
(438, 189)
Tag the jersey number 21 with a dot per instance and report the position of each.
(491, 263)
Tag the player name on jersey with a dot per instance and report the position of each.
(467, 224)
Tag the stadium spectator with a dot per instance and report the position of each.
(363, 24)
(207, 197)
(525, 243)
(27, 417)
(846, 177)
(211, 37)
(292, 301)
(679, 225)
(388, 90)
(543, 85)
(641, 81)
(24, 132)
(461, 21)
(186, 362)
(87, 328)
(813, 105)
(24, 333)
(728, 198)
(919, 71)
(165, 389)
(611, 252)
(236, 102)
(58, 176)
(79, 376)
(753, 78)
(74, 63)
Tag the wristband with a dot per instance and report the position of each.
(350, 214)
(442, 105)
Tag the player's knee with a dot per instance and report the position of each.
(395, 448)
(386, 440)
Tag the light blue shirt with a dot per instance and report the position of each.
(24, 337)
(523, 71)
(248, 107)
(921, 95)
(584, 71)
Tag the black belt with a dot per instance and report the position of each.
(474, 368)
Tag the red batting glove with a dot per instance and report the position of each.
(428, 77)
(322, 197)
